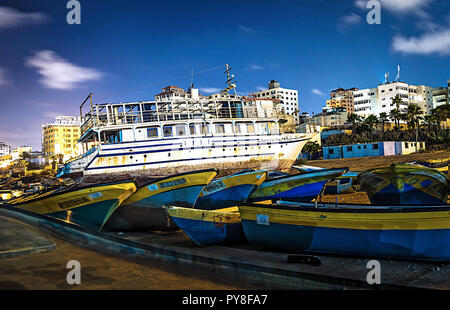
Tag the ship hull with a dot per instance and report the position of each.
(163, 157)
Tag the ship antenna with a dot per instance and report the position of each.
(229, 82)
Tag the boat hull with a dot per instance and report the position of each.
(209, 227)
(229, 191)
(298, 187)
(405, 185)
(90, 206)
(143, 210)
(409, 233)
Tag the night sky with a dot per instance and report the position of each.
(129, 50)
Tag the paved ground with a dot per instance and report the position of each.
(47, 270)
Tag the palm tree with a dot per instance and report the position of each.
(371, 120)
(395, 115)
(353, 119)
(413, 115)
(383, 117)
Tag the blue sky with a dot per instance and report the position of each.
(126, 50)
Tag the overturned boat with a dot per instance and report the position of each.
(143, 210)
(405, 184)
(230, 190)
(89, 206)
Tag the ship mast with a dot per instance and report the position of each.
(230, 82)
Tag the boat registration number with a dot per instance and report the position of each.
(73, 203)
(172, 183)
(213, 187)
(262, 219)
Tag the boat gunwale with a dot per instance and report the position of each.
(72, 189)
(306, 173)
(176, 175)
(364, 208)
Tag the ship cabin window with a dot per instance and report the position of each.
(192, 130)
(220, 129)
(167, 130)
(180, 130)
(250, 128)
(152, 132)
(111, 136)
(263, 128)
(237, 128)
(204, 129)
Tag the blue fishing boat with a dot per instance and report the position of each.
(209, 227)
(230, 190)
(405, 232)
(405, 184)
(295, 187)
(143, 210)
(341, 185)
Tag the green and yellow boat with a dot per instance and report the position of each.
(405, 184)
(88, 206)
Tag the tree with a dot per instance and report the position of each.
(383, 117)
(395, 115)
(413, 115)
(353, 119)
(371, 120)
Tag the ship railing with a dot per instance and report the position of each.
(138, 116)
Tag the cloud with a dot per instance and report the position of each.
(3, 78)
(346, 21)
(316, 91)
(210, 90)
(12, 18)
(246, 29)
(256, 67)
(258, 88)
(429, 43)
(58, 73)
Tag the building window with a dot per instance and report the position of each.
(331, 151)
(181, 130)
(220, 128)
(374, 146)
(349, 149)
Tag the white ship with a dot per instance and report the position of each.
(183, 132)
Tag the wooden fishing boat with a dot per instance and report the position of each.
(296, 187)
(209, 227)
(143, 210)
(89, 206)
(406, 232)
(342, 184)
(405, 184)
(230, 190)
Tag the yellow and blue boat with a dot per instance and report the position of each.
(405, 184)
(230, 190)
(295, 187)
(209, 227)
(89, 206)
(143, 210)
(420, 233)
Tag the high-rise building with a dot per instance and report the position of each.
(4, 149)
(61, 137)
(342, 98)
(379, 100)
(288, 98)
(441, 95)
